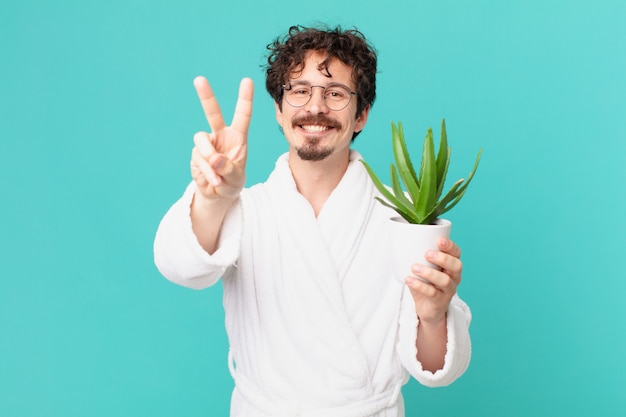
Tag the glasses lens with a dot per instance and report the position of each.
(298, 96)
(337, 96)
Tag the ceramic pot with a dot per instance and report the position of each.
(409, 243)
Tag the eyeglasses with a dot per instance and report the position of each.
(336, 96)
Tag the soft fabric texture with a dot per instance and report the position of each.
(316, 322)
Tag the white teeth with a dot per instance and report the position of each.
(314, 128)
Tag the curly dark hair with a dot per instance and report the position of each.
(287, 55)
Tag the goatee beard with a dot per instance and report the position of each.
(312, 152)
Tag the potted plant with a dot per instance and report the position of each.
(418, 198)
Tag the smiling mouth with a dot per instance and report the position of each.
(315, 128)
(316, 124)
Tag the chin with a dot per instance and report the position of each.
(309, 153)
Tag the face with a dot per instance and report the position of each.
(313, 131)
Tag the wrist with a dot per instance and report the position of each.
(202, 202)
(433, 323)
(207, 216)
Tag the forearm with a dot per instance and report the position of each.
(177, 251)
(457, 343)
(431, 344)
(207, 217)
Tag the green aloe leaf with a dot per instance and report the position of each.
(400, 206)
(403, 162)
(428, 177)
(443, 159)
(461, 191)
(408, 216)
(440, 207)
(397, 188)
(377, 182)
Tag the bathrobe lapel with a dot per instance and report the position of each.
(334, 237)
(345, 215)
(322, 248)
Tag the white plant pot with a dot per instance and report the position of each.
(409, 243)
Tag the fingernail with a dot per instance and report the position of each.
(416, 269)
(430, 254)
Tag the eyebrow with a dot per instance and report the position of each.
(308, 84)
(300, 82)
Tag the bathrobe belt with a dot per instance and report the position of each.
(367, 407)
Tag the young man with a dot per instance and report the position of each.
(316, 323)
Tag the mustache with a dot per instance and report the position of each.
(317, 119)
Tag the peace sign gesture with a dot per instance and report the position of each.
(218, 160)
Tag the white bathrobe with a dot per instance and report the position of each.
(317, 324)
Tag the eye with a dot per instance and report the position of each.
(300, 91)
(336, 92)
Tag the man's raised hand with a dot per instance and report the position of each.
(218, 160)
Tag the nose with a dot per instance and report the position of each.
(316, 103)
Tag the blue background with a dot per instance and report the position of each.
(97, 116)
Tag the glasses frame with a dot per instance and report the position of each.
(288, 86)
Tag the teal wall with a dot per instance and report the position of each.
(96, 122)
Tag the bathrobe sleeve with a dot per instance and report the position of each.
(179, 256)
(458, 352)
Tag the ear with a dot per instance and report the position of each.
(362, 119)
(279, 114)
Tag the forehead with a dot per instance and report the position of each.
(314, 71)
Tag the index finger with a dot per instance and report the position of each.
(209, 104)
(448, 246)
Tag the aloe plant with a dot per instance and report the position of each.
(420, 201)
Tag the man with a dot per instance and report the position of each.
(316, 323)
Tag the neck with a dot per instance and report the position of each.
(316, 180)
